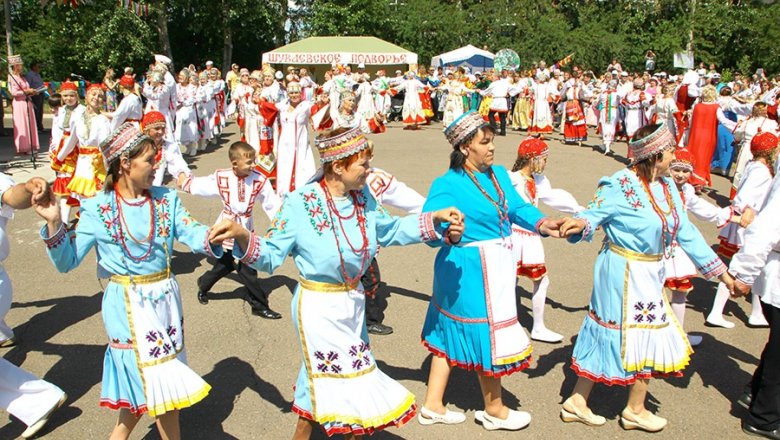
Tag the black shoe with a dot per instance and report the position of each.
(752, 430)
(266, 313)
(380, 329)
(203, 297)
(745, 399)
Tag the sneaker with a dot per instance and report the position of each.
(203, 297)
(428, 417)
(380, 329)
(37, 426)
(516, 420)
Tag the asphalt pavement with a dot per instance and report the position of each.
(252, 363)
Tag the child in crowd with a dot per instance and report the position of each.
(530, 182)
(679, 267)
(753, 189)
(239, 187)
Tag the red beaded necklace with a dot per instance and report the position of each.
(662, 215)
(121, 226)
(501, 205)
(363, 252)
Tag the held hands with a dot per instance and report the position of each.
(40, 193)
(571, 226)
(227, 229)
(455, 218)
(747, 217)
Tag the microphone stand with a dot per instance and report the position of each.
(28, 101)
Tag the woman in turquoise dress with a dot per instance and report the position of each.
(132, 226)
(630, 334)
(472, 317)
(332, 227)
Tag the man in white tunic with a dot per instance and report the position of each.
(26, 397)
(757, 264)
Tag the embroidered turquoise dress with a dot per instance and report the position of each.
(460, 325)
(339, 385)
(629, 331)
(145, 366)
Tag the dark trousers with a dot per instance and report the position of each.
(37, 102)
(257, 297)
(376, 297)
(501, 117)
(765, 407)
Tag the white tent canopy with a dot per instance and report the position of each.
(477, 59)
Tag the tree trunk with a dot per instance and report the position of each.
(162, 29)
(227, 46)
(7, 7)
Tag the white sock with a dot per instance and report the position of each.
(757, 312)
(538, 301)
(721, 298)
(678, 306)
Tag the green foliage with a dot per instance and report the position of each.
(736, 35)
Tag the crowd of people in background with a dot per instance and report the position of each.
(110, 156)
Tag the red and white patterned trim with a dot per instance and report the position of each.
(56, 239)
(187, 184)
(252, 254)
(427, 230)
(714, 268)
(586, 233)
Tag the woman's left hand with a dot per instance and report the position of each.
(227, 229)
(449, 215)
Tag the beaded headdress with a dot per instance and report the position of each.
(464, 127)
(652, 144)
(341, 145)
(532, 147)
(683, 160)
(126, 137)
(763, 141)
(153, 119)
(13, 60)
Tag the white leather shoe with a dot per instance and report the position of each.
(546, 335)
(37, 426)
(719, 322)
(758, 322)
(428, 417)
(515, 420)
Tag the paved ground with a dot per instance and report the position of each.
(252, 363)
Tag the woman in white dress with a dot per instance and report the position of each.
(186, 132)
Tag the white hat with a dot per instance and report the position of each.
(624, 73)
(398, 71)
(662, 74)
(162, 59)
(614, 72)
(673, 78)
(209, 63)
(361, 66)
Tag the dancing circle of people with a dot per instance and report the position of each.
(330, 219)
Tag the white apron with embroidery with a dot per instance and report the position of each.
(154, 313)
(509, 342)
(652, 337)
(345, 384)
